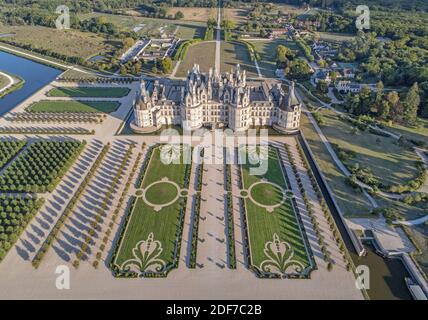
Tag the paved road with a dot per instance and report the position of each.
(212, 239)
(218, 40)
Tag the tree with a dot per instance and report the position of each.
(166, 65)
(179, 15)
(322, 86)
(411, 104)
(396, 109)
(211, 23)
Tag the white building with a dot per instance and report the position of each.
(345, 86)
(213, 100)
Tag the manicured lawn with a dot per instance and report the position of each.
(390, 163)
(93, 92)
(161, 193)
(233, 53)
(267, 52)
(74, 106)
(266, 194)
(145, 220)
(262, 225)
(200, 53)
(351, 202)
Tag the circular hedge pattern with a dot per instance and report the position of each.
(267, 194)
(161, 193)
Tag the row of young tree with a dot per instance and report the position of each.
(40, 166)
(8, 149)
(15, 213)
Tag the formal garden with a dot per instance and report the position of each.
(149, 245)
(41, 166)
(74, 106)
(15, 213)
(9, 149)
(89, 92)
(276, 245)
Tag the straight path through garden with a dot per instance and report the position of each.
(77, 227)
(40, 227)
(218, 39)
(212, 239)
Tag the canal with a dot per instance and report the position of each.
(36, 76)
(386, 274)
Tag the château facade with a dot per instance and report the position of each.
(219, 101)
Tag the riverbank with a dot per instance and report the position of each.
(13, 82)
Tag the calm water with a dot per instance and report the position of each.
(36, 76)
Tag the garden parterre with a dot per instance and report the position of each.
(74, 106)
(157, 229)
(89, 92)
(277, 245)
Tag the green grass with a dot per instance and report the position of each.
(390, 163)
(267, 52)
(161, 193)
(262, 225)
(201, 53)
(145, 220)
(352, 202)
(418, 132)
(74, 106)
(267, 194)
(233, 53)
(93, 92)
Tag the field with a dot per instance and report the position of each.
(40, 167)
(239, 16)
(74, 106)
(194, 14)
(200, 53)
(267, 52)
(233, 53)
(287, 8)
(93, 92)
(146, 221)
(59, 41)
(390, 163)
(419, 132)
(152, 27)
(335, 37)
(264, 224)
(352, 202)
